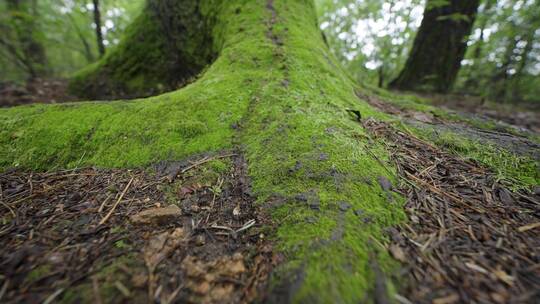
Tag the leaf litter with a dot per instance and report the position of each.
(134, 236)
(469, 239)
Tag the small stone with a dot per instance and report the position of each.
(397, 253)
(536, 190)
(358, 212)
(344, 206)
(323, 157)
(195, 208)
(505, 197)
(314, 204)
(139, 280)
(385, 183)
(159, 216)
(200, 240)
(302, 197)
(311, 220)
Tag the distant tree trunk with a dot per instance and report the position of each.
(521, 65)
(380, 72)
(99, 33)
(439, 47)
(32, 51)
(500, 80)
(472, 78)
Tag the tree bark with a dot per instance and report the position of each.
(99, 33)
(439, 47)
(163, 49)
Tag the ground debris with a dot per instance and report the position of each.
(119, 236)
(470, 239)
(157, 216)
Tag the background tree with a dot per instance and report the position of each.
(64, 29)
(370, 38)
(439, 46)
(20, 39)
(97, 23)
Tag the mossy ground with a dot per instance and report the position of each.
(522, 171)
(275, 92)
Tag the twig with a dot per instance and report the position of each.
(246, 226)
(116, 204)
(529, 227)
(4, 288)
(205, 160)
(53, 296)
(8, 207)
(103, 204)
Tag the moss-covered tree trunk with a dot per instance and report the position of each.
(273, 93)
(439, 46)
(169, 43)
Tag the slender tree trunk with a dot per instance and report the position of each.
(521, 65)
(500, 80)
(439, 47)
(99, 33)
(472, 77)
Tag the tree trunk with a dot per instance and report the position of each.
(439, 47)
(273, 93)
(500, 79)
(522, 64)
(472, 78)
(167, 45)
(33, 52)
(99, 33)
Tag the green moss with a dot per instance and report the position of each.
(38, 272)
(106, 278)
(521, 171)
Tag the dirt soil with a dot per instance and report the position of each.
(182, 232)
(469, 238)
(525, 117)
(35, 91)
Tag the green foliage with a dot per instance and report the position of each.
(65, 30)
(370, 38)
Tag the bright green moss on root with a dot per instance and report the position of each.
(287, 99)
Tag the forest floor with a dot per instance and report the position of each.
(36, 91)
(523, 116)
(189, 231)
(470, 239)
(181, 232)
